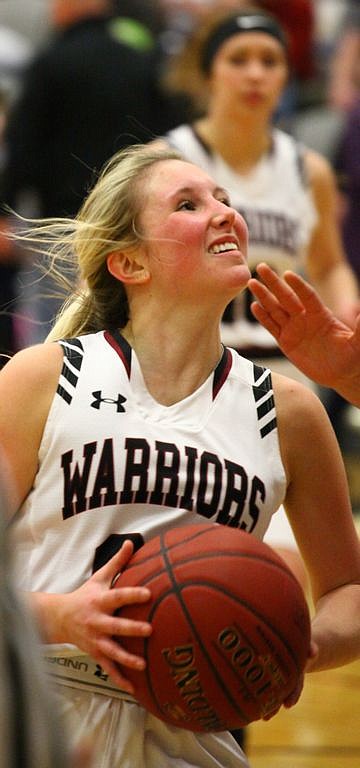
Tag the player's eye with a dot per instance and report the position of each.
(270, 61)
(186, 205)
(225, 201)
(237, 59)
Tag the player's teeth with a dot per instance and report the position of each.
(223, 247)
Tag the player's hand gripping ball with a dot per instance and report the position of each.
(231, 628)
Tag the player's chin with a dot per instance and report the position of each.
(244, 268)
(238, 276)
(239, 262)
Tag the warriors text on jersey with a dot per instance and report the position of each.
(277, 204)
(115, 464)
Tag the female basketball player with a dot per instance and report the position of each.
(112, 429)
(236, 68)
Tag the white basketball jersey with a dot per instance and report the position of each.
(276, 202)
(115, 464)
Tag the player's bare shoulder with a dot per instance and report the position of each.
(295, 400)
(28, 384)
(319, 171)
(301, 418)
(39, 364)
(30, 377)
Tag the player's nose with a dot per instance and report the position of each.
(223, 215)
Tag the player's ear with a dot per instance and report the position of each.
(127, 266)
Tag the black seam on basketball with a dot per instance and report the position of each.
(177, 589)
(169, 547)
(204, 556)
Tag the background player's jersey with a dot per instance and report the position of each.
(114, 463)
(277, 204)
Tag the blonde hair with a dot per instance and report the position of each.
(107, 221)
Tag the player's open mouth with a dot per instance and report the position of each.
(221, 247)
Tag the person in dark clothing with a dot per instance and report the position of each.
(92, 90)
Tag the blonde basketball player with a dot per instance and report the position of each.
(109, 426)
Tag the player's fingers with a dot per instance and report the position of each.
(118, 624)
(129, 628)
(114, 653)
(281, 292)
(115, 598)
(271, 714)
(263, 294)
(265, 319)
(305, 293)
(278, 308)
(112, 669)
(276, 312)
(313, 653)
(112, 569)
(294, 696)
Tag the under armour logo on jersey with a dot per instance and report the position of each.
(99, 399)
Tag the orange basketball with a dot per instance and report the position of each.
(231, 628)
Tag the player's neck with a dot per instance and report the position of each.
(173, 366)
(241, 148)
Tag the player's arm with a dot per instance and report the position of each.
(326, 264)
(84, 617)
(27, 386)
(318, 506)
(324, 348)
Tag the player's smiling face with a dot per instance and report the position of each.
(191, 232)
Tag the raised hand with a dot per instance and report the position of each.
(323, 347)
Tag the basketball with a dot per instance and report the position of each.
(231, 628)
